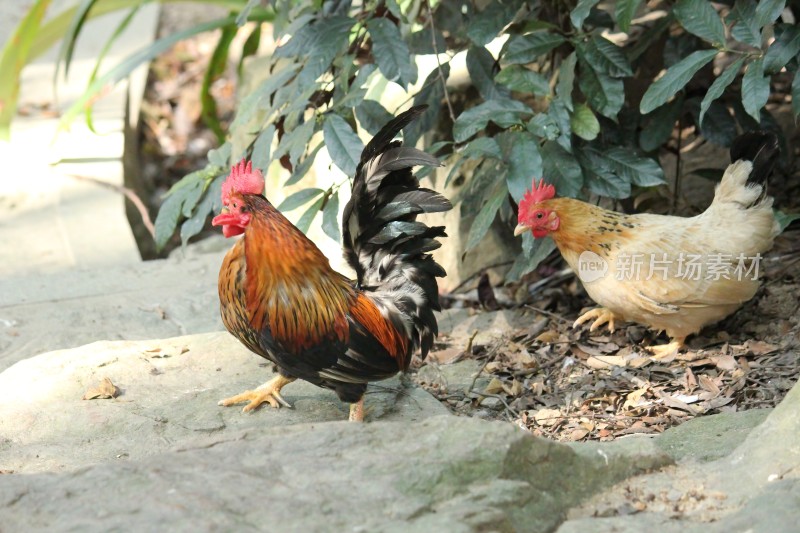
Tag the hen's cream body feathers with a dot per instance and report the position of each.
(666, 293)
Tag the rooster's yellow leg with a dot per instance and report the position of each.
(603, 316)
(357, 411)
(269, 392)
(666, 350)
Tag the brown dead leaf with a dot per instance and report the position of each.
(494, 387)
(446, 356)
(605, 361)
(578, 434)
(548, 336)
(513, 389)
(104, 391)
(547, 417)
(635, 398)
(707, 384)
(724, 362)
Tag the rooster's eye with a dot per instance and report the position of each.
(235, 205)
(539, 215)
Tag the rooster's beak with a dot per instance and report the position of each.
(520, 229)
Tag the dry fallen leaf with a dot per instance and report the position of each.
(547, 417)
(103, 391)
(724, 362)
(605, 361)
(548, 336)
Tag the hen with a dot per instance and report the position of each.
(670, 273)
(280, 297)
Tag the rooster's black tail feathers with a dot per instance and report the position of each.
(383, 240)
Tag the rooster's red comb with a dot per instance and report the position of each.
(544, 191)
(243, 179)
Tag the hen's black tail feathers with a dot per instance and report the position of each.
(762, 149)
(384, 243)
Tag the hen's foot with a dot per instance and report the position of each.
(666, 351)
(602, 316)
(357, 411)
(269, 392)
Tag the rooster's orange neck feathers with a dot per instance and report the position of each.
(292, 274)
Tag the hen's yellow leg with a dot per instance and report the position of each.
(602, 316)
(664, 351)
(269, 392)
(357, 411)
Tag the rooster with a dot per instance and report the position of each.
(670, 273)
(280, 297)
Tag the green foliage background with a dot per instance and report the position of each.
(582, 93)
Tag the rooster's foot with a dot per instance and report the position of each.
(357, 411)
(602, 316)
(269, 392)
(666, 351)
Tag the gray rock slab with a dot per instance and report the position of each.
(439, 474)
(154, 299)
(710, 437)
(169, 391)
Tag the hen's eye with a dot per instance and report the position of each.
(538, 215)
(235, 205)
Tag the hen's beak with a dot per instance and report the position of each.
(520, 229)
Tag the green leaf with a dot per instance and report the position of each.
(600, 177)
(624, 12)
(71, 37)
(261, 94)
(120, 29)
(520, 79)
(606, 57)
(605, 94)
(719, 127)
(544, 126)
(372, 116)
(330, 217)
(745, 26)
(302, 168)
(295, 142)
(527, 262)
(503, 112)
(432, 94)
(581, 11)
(171, 210)
(485, 217)
(194, 225)
(583, 122)
(295, 200)
(482, 147)
(484, 26)
(215, 69)
(391, 52)
(566, 79)
(421, 42)
(527, 48)
(560, 168)
(262, 148)
(304, 222)
(481, 67)
(767, 11)
(659, 124)
(698, 17)
(633, 168)
(521, 154)
(318, 43)
(755, 89)
(245, 12)
(14, 57)
(719, 86)
(343, 144)
(220, 157)
(674, 80)
(796, 94)
(649, 37)
(783, 49)
(784, 219)
(558, 111)
(191, 198)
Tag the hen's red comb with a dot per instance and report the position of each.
(243, 179)
(543, 192)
